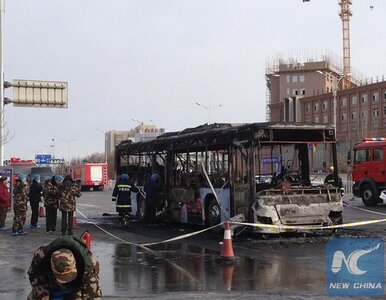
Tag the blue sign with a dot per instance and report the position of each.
(43, 159)
(355, 267)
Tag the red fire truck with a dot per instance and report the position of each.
(90, 176)
(20, 166)
(369, 170)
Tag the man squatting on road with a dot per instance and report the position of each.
(64, 269)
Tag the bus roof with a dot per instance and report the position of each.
(221, 134)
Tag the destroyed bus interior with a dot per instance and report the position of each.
(258, 172)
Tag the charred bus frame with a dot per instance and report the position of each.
(260, 171)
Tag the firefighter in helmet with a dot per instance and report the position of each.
(122, 196)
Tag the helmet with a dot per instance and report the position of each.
(22, 176)
(58, 178)
(155, 177)
(125, 177)
(36, 177)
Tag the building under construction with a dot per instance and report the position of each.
(307, 91)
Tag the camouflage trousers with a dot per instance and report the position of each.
(18, 219)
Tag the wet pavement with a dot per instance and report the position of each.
(281, 267)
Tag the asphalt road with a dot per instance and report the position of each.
(268, 267)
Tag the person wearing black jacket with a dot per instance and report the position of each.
(35, 194)
(122, 196)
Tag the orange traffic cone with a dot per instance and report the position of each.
(74, 222)
(42, 211)
(227, 276)
(227, 248)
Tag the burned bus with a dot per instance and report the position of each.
(261, 172)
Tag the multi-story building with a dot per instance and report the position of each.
(142, 132)
(113, 138)
(305, 93)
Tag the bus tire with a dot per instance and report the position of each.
(213, 213)
(368, 195)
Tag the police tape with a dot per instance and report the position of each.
(180, 237)
(309, 227)
(271, 226)
(89, 221)
(144, 245)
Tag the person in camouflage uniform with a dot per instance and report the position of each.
(67, 203)
(64, 269)
(51, 201)
(20, 198)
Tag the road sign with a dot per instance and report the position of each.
(57, 161)
(43, 159)
(35, 93)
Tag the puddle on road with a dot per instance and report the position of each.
(182, 267)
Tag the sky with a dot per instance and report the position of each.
(152, 60)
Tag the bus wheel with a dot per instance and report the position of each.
(368, 195)
(213, 213)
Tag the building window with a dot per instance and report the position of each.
(354, 115)
(384, 94)
(302, 91)
(344, 102)
(301, 78)
(384, 109)
(288, 91)
(325, 119)
(295, 92)
(325, 105)
(375, 96)
(316, 106)
(288, 78)
(364, 98)
(364, 114)
(375, 112)
(344, 116)
(353, 100)
(295, 78)
(316, 119)
(307, 107)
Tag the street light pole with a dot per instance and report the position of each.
(334, 94)
(53, 148)
(209, 109)
(69, 149)
(2, 139)
(139, 122)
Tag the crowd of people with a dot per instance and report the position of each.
(55, 193)
(64, 268)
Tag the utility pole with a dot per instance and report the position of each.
(2, 139)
